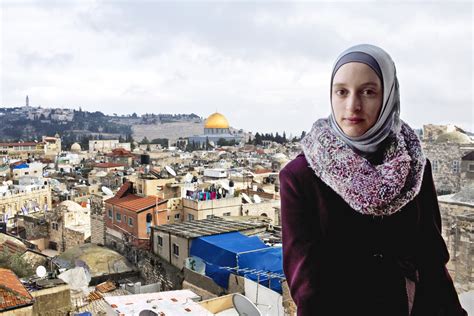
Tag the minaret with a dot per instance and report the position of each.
(27, 101)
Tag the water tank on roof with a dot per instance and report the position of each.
(145, 159)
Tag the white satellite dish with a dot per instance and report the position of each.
(257, 199)
(244, 306)
(107, 191)
(170, 171)
(41, 272)
(246, 198)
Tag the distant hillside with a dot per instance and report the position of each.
(30, 123)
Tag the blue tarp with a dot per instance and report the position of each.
(22, 166)
(235, 250)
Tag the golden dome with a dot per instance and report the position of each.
(216, 120)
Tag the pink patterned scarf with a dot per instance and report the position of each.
(378, 190)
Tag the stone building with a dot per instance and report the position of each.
(23, 199)
(445, 150)
(194, 209)
(457, 212)
(172, 242)
(66, 226)
(467, 169)
(49, 147)
(34, 169)
(69, 225)
(121, 156)
(106, 146)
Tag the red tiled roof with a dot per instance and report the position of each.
(108, 165)
(259, 171)
(12, 247)
(124, 189)
(120, 152)
(134, 202)
(12, 292)
(21, 144)
(105, 287)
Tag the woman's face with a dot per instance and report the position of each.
(356, 98)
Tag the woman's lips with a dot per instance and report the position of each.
(354, 120)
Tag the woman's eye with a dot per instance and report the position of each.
(341, 92)
(368, 92)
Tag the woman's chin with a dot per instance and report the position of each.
(354, 131)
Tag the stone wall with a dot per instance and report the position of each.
(464, 266)
(52, 301)
(97, 220)
(35, 228)
(266, 208)
(153, 269)
(72, 238)
(458, 232)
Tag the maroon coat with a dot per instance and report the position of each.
(340, 262)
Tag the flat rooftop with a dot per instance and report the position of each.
(206, 227)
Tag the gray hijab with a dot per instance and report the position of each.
(389, 118)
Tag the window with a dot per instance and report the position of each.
(118, 217)
(226, 214)
(190, 217)
(176, 216)
(130, 221)
(148, 223)
(160, 241)
(470, 168)
(455, 166)
(175, 250)
(110, 214)
(435, 166)
(124, 218)
(55, 226)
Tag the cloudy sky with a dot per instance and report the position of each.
(264, 65)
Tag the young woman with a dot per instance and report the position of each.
(361, 222)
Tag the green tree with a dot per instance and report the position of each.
(16, 263)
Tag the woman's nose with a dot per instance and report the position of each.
(354, 103)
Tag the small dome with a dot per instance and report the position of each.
(100, 260)
(279, 157)
(216, 120)
(454, 137)
(76, 147)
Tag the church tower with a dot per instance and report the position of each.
(27, 101)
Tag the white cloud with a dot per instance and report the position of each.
(266, 66)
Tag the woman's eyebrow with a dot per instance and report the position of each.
(369, 83)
